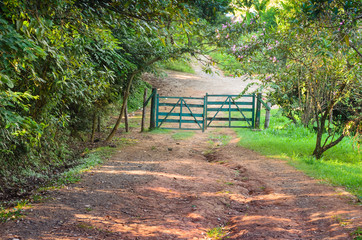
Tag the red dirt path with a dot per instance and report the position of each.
(162, 188)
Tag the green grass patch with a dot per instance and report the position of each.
(227, 63)
(182, 135)
(159, 131)
(94, 158)
(180, 65)
(72, 175)
(220, 138)
(357, 234)
(7, 214)
(217, 233)
(340, 165)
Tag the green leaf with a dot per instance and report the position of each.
(5, 79)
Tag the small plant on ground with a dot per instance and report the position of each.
(220, 138)
(217, 233)
(13, 213)
(341, 220)
(10, 214)
(357, 234)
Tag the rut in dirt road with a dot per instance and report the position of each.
(161, 188)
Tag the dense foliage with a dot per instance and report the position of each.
(63, 62)
(309, 57)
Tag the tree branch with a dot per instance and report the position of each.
(354, 48)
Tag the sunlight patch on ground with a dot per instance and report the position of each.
(167, 191)
(140, 172)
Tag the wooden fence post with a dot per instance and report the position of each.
(144, 110)
(267, 116)
(153, 109)
(258, 107)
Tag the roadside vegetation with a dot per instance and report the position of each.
(226, 62)
(13, 208)
(305, 57)
(180, 65)
(340, 166)
(67, 67)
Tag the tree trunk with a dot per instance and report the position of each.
(144, 110)
(93, 127)
(126, 118)
(99, 123)
(124, 104)
(319, 150)
(126, 95)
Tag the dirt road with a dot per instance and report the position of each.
(165, 188)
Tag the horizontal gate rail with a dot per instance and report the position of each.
(236, 103)
(230, 109)
(229, 119)
(181, 114)
(172, 104)
(199, 98)
(233, 96)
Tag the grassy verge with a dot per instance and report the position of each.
(340, 165)
(179, 65)
(227, 63)
(93, 158)
(181, 135)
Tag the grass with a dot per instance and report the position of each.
(15, 212)
(340, 165)
(357, 234)
(227, 63)
(180, 65)
(159, 131)
(182, 135)
(217, 233)
(94, 158)
(221, 138)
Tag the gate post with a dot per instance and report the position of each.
(204, 114)
(258, 107)
(153, 109)
(267, 116)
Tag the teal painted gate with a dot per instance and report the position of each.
(186, 113)
(210, 111)
(233, 110)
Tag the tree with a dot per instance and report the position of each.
(310, 63)
(171, 30)
(63, 62)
